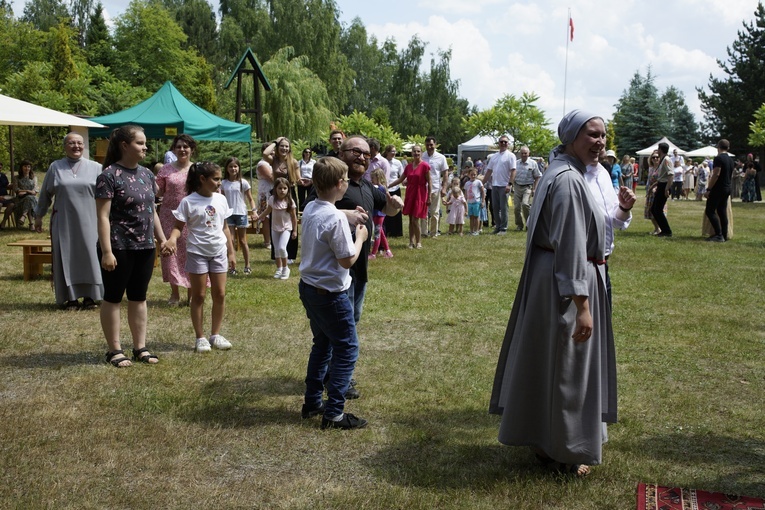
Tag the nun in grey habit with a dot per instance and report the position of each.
(555, 384)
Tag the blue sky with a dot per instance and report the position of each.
(504, 47)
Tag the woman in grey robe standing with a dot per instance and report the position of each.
(74, 234)
(555, 384)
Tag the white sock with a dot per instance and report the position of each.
(337, 418)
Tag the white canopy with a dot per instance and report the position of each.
(478, 146)
(14, 112)
(710, 151)
(672, 147)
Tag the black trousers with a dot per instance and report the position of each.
(657, 209)
(717, 211)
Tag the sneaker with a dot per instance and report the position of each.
(716, 239)
(290, 261)
(502, 233)
(202, 345)
(278, 273)
(311, 411)
(219, 342)
(388, 254)
(232, 271)
(419, 246)
(348, 422)
(352, 392)
(371, 256)
(247, 270)
(285, 273)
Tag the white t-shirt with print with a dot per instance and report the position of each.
(205, 218)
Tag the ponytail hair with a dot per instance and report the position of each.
(196, 171)
(121, 134)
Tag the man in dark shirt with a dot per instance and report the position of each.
(718, 191)
(336, 138)
(360, 200)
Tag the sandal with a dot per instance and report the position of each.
(71, 306)
(88, 304)
(562, 468)
(144, 359)
(116, 362)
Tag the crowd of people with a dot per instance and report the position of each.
(555, 382)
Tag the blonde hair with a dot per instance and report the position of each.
(379, 174)
(327, 172)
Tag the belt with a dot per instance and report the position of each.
(589, 259)
(319, 291)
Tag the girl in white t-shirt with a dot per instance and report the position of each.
(283, 213)
(236, 190)
(209, 250)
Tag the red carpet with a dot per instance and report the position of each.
(656, 497)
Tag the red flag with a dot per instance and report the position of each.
(571, 25)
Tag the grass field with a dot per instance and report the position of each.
(224, 430)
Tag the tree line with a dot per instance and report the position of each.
(733, 106)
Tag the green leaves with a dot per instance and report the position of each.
(520, 118)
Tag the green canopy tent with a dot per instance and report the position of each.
(168, 113)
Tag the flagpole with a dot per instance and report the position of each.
(565, 72)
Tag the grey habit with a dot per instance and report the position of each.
(73, 228)
(553, 393)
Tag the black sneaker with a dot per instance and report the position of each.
(348, 422)
(352, 392)
(716, 239)
(310, 412)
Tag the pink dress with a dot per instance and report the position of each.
(457, 208)
(172, 185)
(416, 197)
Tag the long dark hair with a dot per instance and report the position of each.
(196, 171)
(25, 162)
(124, 133)
(284, 181)
(232, 159)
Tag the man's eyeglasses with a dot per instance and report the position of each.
(75, 144)
(504, 142)
(358, 152)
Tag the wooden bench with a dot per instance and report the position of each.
(36, 253)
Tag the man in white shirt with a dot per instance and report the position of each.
(499, 169)
(377, 160)
(439, 185)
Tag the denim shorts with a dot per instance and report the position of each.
(237, 220)
(474, 209)
(199, 264)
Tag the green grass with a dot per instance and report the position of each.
(224, 430)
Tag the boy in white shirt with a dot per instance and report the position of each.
(328, 252)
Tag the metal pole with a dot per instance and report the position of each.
(565, 72)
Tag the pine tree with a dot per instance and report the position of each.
(98, 42)
(640, 118)
(730, 105)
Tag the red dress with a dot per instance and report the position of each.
(416, 197)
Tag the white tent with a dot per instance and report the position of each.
(710, 151)
(648, 150)
(476, 147)
(14, 112)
